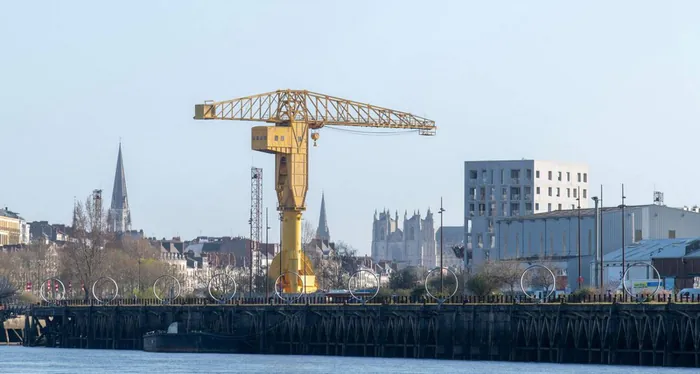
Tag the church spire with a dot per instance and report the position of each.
(119, 213)
(322, 231)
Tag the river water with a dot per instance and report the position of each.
(19, 360)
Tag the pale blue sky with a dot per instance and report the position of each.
(612, 84)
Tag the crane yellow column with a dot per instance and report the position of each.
(294, 113)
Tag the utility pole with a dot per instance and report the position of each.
(622, 213)
(578, 239)
(602, 251)
(442, 280)
(267, 256)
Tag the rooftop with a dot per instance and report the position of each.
(646, 250)
(8, 213)
(587, 212)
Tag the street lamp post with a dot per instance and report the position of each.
(578, 238)
(602, 251)
(622, 213)
(441, 242)
(267, 255)
(250, 280)
(597, 247)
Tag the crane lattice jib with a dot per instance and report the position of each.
(315, 109)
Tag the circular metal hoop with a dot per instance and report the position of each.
(61, 294)
(222, 299)
(360, 298)
(155, 293)
(624, 275)
(453, 292)
(293, 299)
(116, 288)
(522, 278)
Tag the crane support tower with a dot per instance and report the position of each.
(256, 208)
(296, 115)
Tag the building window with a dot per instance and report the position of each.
(472, 193)
(549, 175)
(504, 209)
(579, 177)
(585, 177)
(277, 138)
(559, 176)
(575, 193)
(549, 191)
(671, 234)
(490, 176)
(637, 235)
(537, 174)
(472, 173)
(537, 206)
(549, 207)
(528, 174)
(559, 207)
(528, 207)
(528, 192)
(504, 192)
(568, 176)
(584, 193)
(538, 190)
(558, 192)
(515, 209)
(503, 176)
(573, 206)
(471, 209)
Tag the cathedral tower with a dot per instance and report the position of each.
(119, 215)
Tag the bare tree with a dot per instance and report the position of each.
(7, 289)
(508, 274)
(308, 233)
(84, 256)
(335, 270)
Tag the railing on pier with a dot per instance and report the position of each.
(380, 300)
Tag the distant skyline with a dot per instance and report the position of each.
(615, 85)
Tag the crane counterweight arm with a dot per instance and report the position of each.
(317, 110)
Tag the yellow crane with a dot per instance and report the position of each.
(295, 115)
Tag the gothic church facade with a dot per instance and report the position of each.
(414, 245)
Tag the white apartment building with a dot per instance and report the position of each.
(498, 189)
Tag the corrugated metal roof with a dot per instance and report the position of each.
(646, 250)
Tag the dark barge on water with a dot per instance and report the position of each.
(190, 342)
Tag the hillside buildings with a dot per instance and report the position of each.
(501, 189)
(414, 245)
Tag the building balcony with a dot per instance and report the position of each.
(515, 213)
(472, 180)
(515, 180)
(515, 197)
(528, 212)
(505, 196)
(471, 213)
(528, 196)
